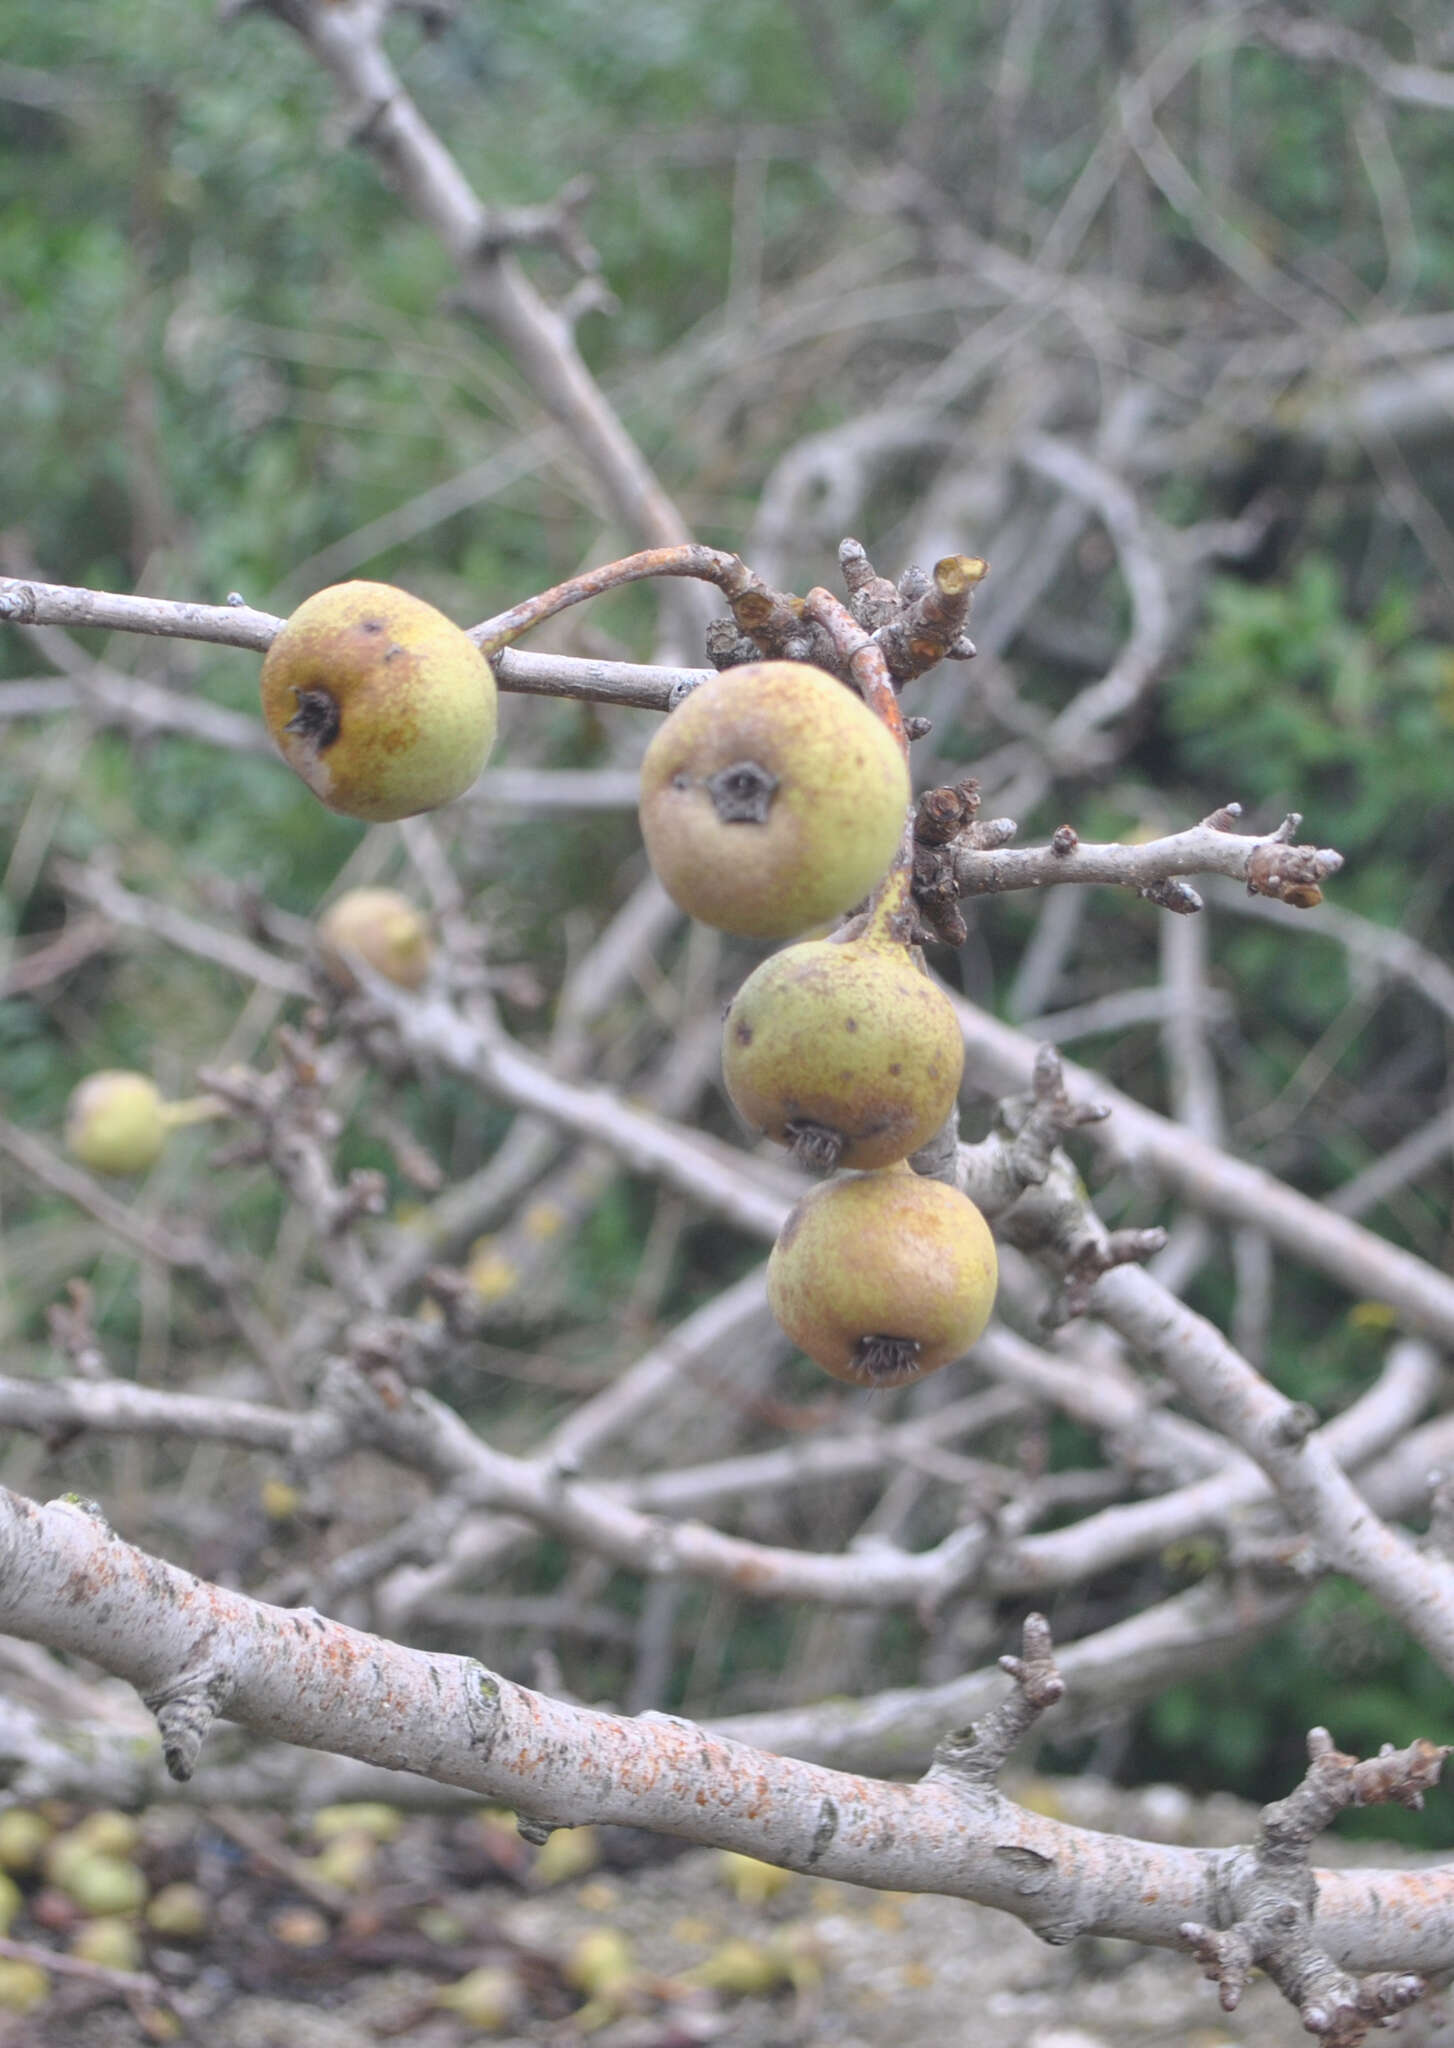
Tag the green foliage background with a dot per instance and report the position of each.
(227, 350)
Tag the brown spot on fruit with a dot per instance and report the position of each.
(378, 733)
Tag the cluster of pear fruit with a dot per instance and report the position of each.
(772, 800)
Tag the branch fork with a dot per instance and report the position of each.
(1273, 1896)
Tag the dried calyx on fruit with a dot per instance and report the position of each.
(387, 931)
(883, 1277)
(381, 704)
(772, 799)
(845, 1051)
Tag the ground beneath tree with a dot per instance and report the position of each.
(348, 1938)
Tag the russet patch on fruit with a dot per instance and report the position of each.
(381, 703)
(848, 1053)
(883, 1277)
(772, 799)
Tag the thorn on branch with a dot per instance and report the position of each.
(980, 1751)
(553, 224)
(1021, 1154)
(1048, 1083)
(987, 833)
(1092, 1256)
(872, 599)
(362, 130)
(1228, 1958)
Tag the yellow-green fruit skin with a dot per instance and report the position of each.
(832, 823)
(383, 928)
(853, 1039)
(886, 1255)
(381, 703)
(115, 1122)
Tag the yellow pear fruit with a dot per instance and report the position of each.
(23, 1986)
(110, 1941)
(103, 1884)
(751, 1881)
(772, 799)
(488, 1999)
(370, 1817)
(849, 1054)
(23, 1836)
(569, 1853)
(382, 704)
(108, 1832)
(384, 928)
(601, 1963)
(180, 1911)
(116, 1122)
(883, 1277)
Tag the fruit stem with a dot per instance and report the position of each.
(711, 565)
(195, 1109)
(893, 897)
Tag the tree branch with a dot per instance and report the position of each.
(196, 1650)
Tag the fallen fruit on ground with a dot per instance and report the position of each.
(883, 1277)
(772, 799)
(382, 704)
